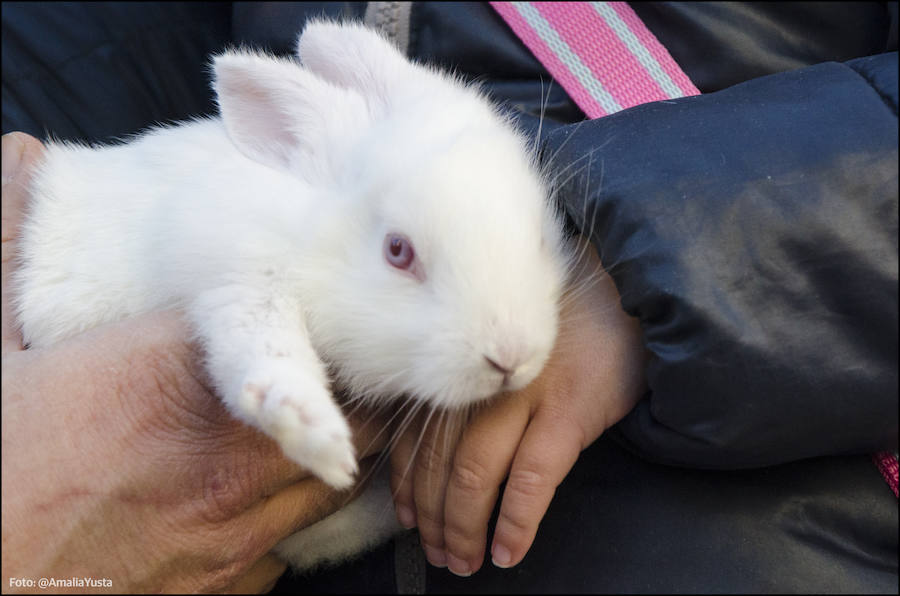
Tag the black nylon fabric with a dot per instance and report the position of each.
(95, 72)
(753, 231)
(720, 44)
(619, 524)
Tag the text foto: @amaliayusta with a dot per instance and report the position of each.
(62, 582)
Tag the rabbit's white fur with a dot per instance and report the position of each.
(267, 226)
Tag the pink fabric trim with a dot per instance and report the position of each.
(656, 49)
(608, 74)
(601, 50)
(547, 57)
(887, 465)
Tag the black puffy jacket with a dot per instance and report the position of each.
(753, 230)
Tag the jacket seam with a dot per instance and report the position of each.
(887, 99)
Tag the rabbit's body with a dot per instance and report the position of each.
(127, 218)
(357, 213)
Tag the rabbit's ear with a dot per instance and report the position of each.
(352, 56)
(278, 113)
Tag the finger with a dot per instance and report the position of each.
(480, 464)
(433, 462)
(261, 577)
(299, 506)
(406, 432)
(538, 468)
(370, 430)
(247, 448)
(20, 152)
(280, 472)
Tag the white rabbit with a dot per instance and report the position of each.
(357, 215)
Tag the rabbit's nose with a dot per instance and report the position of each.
(506, 371)
(508, 356)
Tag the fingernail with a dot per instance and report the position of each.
(406, 517)
(12, 154)
(435, 556)
(500, 556)
(457, 566)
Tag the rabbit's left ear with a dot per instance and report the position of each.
(353, 56)
(282, 115)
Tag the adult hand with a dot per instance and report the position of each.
(120, 464)
(594, 377)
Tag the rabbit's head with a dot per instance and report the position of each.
(438, 270)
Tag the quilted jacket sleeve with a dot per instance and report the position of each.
(753, 231)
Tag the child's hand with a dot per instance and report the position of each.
(594, 377)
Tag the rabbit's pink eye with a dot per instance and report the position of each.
(398, 251)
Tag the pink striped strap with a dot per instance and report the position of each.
(600, 52)
(607, 60)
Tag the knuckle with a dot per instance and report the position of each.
(461, 536)
(431, 526)
(559, 412)
(428, 514)
(516, 522)
(222, 496)
(430, 461)
(469, 477)
(527, 494)
(527, 482)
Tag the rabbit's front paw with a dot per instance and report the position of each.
(296, 410)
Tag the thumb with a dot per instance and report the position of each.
(20, 153)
